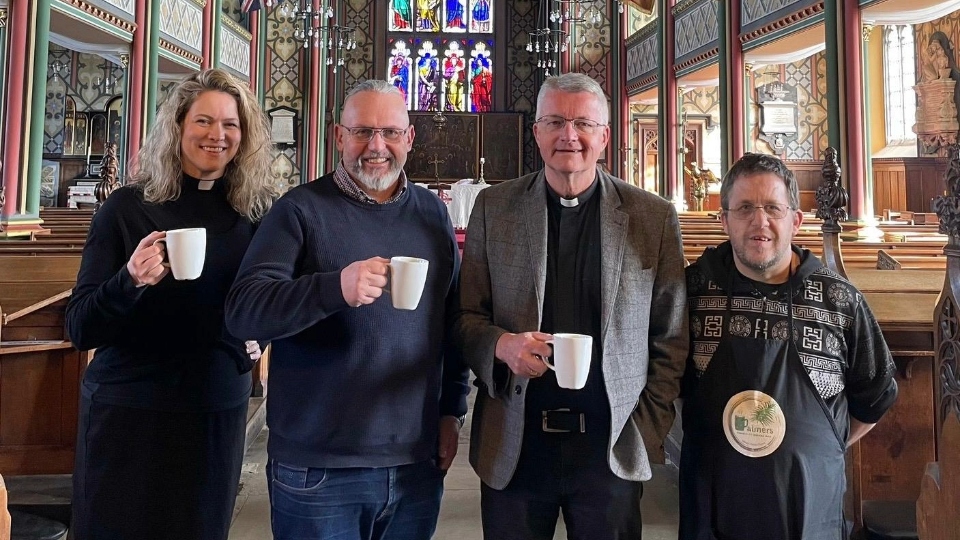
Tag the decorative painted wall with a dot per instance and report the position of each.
(285, 70)
(522, 77)
(232, 9)
(756, 13)
(643, 57)
(702, 105)
(809, 76)
(77, 87)
(696, 29)
(637, 19)
(182, 20)
(235, 47)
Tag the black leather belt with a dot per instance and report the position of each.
(564, 421)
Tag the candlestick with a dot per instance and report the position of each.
(480, 180)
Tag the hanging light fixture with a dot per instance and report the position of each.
(317, 28)
(549, 40)
(57, 66)
(107, 81)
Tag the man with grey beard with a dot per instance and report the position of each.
(366, 401)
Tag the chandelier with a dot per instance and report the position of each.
(548, 43)
(551, 39)
(316, 28)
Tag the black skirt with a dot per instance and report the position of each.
(143, 474)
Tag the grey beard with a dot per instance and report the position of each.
(375, 183)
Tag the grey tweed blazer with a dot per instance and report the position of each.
(644, 318)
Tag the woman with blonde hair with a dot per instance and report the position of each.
(163, 403)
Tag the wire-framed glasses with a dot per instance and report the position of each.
(365, 134)
(553, 122)
(746, 211)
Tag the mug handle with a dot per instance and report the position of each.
(386, 288)
(544, 358)
(166, 259)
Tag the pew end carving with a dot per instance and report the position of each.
(938, 508)
(831, 208)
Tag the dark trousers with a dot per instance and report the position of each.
(155, 475)
(562, 472)
(386, 503)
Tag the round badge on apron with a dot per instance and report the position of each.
(754, 423)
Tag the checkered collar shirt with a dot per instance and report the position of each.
(349, 187)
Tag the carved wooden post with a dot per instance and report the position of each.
(108, 172)
(938, 509)
(831, 208)
(947, 334)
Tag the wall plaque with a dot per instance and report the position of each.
(778, 114)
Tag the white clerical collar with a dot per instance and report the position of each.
(205, 185)
(569, 203)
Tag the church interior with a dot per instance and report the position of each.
(860, 99)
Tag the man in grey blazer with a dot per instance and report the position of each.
(570, 249)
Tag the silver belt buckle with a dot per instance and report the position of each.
(554, 430)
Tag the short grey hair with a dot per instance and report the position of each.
(373, 85)
(574, 83)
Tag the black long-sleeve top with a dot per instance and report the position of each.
(161, 347)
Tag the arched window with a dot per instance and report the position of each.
(441, 54)
(900, 100)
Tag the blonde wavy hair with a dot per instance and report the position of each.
(159, 168)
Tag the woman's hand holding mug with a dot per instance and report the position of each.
(146, 263)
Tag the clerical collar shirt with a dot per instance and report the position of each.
(350, 188)
(573, 302)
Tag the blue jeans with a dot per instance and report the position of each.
(388, 503)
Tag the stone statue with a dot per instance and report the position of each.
(937, 65)
(938, 97)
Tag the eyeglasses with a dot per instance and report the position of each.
(746, 211)
(365, 134)
(553, 123)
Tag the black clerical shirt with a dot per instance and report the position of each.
(572, 303)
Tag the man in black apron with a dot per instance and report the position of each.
(787, 368)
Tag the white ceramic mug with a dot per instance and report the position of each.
(407, 277)
(186, 251)
(571, 359)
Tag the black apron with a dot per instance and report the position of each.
(794, 493)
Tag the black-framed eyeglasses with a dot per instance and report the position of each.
(552, 122)
(365, 134)
(746, 211)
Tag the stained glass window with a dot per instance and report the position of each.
(441, 54)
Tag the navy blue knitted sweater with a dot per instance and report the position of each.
(351, 387)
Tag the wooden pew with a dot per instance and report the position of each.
(885, 466)
(40, 370)
(938, 509)
(938, 506)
